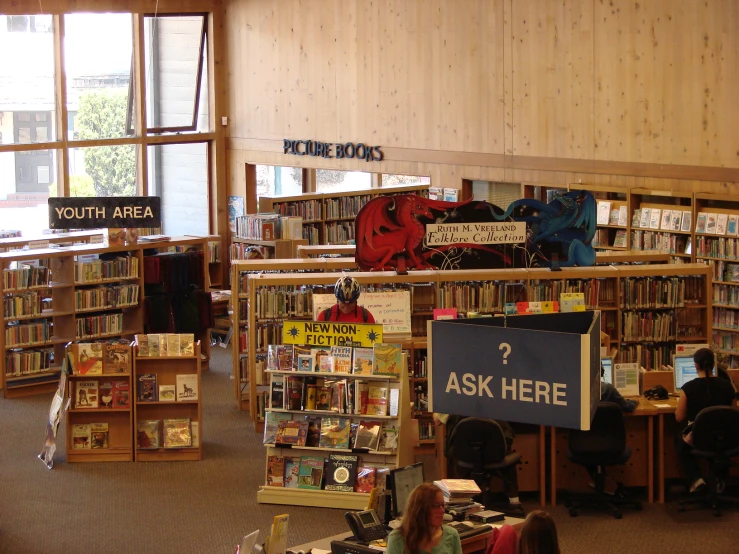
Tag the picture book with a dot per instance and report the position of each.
(177, 433)
(275, 471)
(623, 216)
(142, 341)
(271, 424)
(121, 394)
(87, 395)
(654, 218)
(362, 360)
(666, 223)
(288, 432)
(393, 402)
(98, 435)
(89, 358)
(388, 439)
(285, 357)
(732, 225)
(292, 469)
(721, 222)
(147, 387)
(304, 363)
(334, 432)
(187, 387)
(645, 218)
(636, 219)
(342, 357)
(686, 222)
(603, 212)
(310, 474)
(377, 396)
(294, 392)
(195, 432)
(277, 392)
(387, 359)
(326, 364)
(147, 434)
(117, 357)
(167, 393)
(317, 355)
(313, 437)
(163, 344)
(80, 436)
(700, 222)
(366, 478)
(341, 472)
(353, 428)
(337, 395)
(310, 397)
(187, 344)
(677, 217)
(272, 363)
(368, 434)
(361, 394)
(105, 392)
(154, 343)
(173, 345)
(301, 358)
(613, 217)
(711, 219)
(323, 399)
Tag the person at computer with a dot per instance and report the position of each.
(609, 393)
(509, 475)
(346, 309)
(422, 529)
(702, 392)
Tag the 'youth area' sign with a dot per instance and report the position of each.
(107, 212)
(542, 369)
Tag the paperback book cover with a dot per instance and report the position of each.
(173, 345)
(721, 222)
(187, 387)
(368, 434)
(163, 345)
(187, 344)
(677, 217)
(623, 216)
(294, 392)
(387, 359)
(323, 400)
(105, 390)
(362, 364)
(277, 392)
(121, 394)
(389, 439)
(313, 439)
(272, 361)
(686, 222)
(326, 364)
(154, 345)
(342, 358)
(98, 435)
(341, 472)
(700, 223)
(301, 358)
(292, 469)
(167, 393)
(195, 432)
(645, 217)
(335, 432)
(654, 218)
(80, 436)
(666, 223)
(310, 397)
(361, 396)
(90, 358)
(87, 395)
(636, 219)
(177, 433)
(365, 479)
(304, 363)
(147, 387)
(377, 400)
(732, 225)
(285, 357)
(117, 358)
(288, 432)
(142, 342)
(272, 422)
(310, 474)
(275, 471)
(317, 355)
(602, 212)
(147, 434)
(711, 219)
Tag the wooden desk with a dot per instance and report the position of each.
(639, 437)
(664, 407)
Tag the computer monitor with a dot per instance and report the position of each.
(607, 364)
(402, 481)
(684, 370)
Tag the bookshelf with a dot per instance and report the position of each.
(167, 369)
(403, 455)
(328, 218)
(613, 216)
(215, 265)
(652, 229)
(61, 239)
(275, 249)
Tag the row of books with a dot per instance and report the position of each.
(214, 252)
(341, 473)
(650, 355)
(95, 394)
(96, 270)
(185, 388)
(723, 271)
(267, 332)
(100, 358)
(665, 220)
(22, 305)
(167, 433)
(717, 224)
(27, 334)
(269, 226)
(602, 238)
(649, 326)
(726, 341)
(382, 359)
(283, 302)
(663, 242)
(725, 294)
(104, 324)
(311, 234)
(340, 232)
(658, 292)
(309, 210)
(117, 296)
(329, 431)
(726, 318)
(485, 296)
(607, 214)
(25, 277)
(717, 247)
(86, 436)
(28, 362)
(293, 392)
(420, 398)
(242, 251)
(594, 291)
(345, 206)
(420, 367)
(165, 344)
(426, 430)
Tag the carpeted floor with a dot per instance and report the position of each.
(208, 506)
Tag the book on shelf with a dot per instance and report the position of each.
(335, 432)
(147, 434)
(105, 392)
(187, 344)
(301, 358)
(636, 218)
(393, 404)
(154, 345)
(195, 432)
(387, 359)
(721, 223)
(603, 212)
(619, 240)
(310, 393)
(342, 358)
(310, 474)
(654, 218)
(341, 472)
(623, 216)
(277, 392)
(275, 471)
(294, 386)
(187, 387)
(732, 225)
(121, 394)
(89, 358)
(142, 343)
(313, 439)
(291, 432)
(167, 393)
(272, 362)
(86, 395)
(285, 357)
(324, 397)
(81, 436)
(272, 422)
(361, 396)
(666, 223)
(98, 435)
(686, 222)
(291, 471)
(377, 398)
(147, 390)
(177, 433)
(173, 344)
(362, 360)
(700, 222)
(676, 219)
(117, 357)
(646, 214)
(366, 479)
(613, 217)
(368, 434)
(711, 219)
(388, 439)
(317, 358)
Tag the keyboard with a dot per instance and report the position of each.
(466, 531)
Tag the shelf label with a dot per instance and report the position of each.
(36, 244)
(96, 239)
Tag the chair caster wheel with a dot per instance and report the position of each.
(573, 512)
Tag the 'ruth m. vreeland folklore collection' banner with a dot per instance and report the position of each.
(105, 213)
(330, 333)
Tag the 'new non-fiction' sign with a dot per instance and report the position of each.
(542, 369)
(330, 333)
(107, 212)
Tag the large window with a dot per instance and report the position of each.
(113, 117)
(274, 180)
(329, 180)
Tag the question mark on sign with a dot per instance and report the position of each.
(507, 347)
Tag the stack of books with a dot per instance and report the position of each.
(458, 492)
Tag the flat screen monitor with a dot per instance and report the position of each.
(607, 364)
(684, 370)
(402, 481)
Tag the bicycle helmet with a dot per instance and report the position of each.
(346, 289)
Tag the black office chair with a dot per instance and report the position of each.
(715, 436)
(604, 445)
(478, 450)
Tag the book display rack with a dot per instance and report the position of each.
(612, 212)
(662, 220)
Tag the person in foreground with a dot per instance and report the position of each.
(422, 528)
(346, 310)
(538, 535)
(702, 392)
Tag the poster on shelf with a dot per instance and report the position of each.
(390, 308)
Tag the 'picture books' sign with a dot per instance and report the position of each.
(107, 212)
